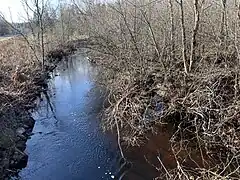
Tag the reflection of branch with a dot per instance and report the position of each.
(50, 104)
(165, 169)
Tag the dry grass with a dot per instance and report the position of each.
(19, 69)
(21, 80)
(4, 38)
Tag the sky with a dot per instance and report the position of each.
(13, 6)
(13, 10)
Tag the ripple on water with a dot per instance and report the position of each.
(72, 145)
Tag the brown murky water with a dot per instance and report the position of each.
(146, 164)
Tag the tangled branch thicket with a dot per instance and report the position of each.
(21, 78)
(172, 61)
(16, 74)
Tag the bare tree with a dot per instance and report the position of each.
(236, 27)
(195, 33)
(172, 31)
(223, 20)
(37, 8)
(157, 48)
(184, 39)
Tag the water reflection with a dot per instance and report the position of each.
(68, 142)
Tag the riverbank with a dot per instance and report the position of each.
(22, 80)
(202, 108)
(138, 104)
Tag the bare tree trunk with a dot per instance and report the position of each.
(154, 41)
(40, 11)
(195, 33)
(42, 43)
(236, 31)
(62, 21)
(37, 7)
(172, 32)
(124, 16)
(223, 21)
(184, 41)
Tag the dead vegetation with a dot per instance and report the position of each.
(19, 69)
(21, 81)
(172, 62)
(163, 62)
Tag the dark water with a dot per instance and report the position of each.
(68, 143)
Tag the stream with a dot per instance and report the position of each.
(67, 141)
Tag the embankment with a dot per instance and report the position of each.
(22, 81)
